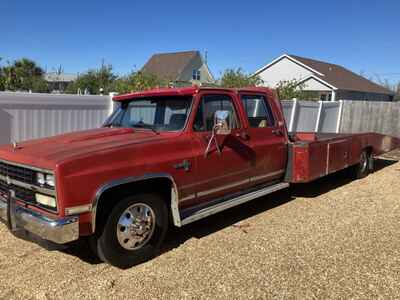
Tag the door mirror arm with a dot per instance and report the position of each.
(213, 139)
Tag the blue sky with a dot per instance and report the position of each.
(361, 35)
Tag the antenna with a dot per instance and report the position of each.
(206, 57)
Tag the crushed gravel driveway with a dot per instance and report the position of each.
(334, 238)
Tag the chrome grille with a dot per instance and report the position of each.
(21, 193)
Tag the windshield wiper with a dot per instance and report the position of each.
(146, 126)
(154, 130)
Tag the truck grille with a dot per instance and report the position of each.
(21, 193)
(22, 174)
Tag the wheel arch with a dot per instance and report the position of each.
(164, 180)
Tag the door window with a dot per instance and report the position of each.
(204, 120)
(258, 111)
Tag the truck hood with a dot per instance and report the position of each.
(48, 152)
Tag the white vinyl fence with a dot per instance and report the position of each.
(321, 116)
(25, 116)
(343, 116)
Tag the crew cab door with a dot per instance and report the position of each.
(219, 174)
(266, 136)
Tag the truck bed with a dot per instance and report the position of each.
(313, 155)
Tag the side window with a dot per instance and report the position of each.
(209, 104)
(258, 111)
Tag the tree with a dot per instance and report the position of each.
(289, 89)
(138, 81)
(232, 78)
(24, 75)
(393, 87)
(2, 79)
(94, 81)
(397, 92)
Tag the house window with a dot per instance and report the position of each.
(196, 75)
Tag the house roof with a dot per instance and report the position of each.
(169, 66)
(334, 75)
(341, 77)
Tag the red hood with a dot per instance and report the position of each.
(48, 152)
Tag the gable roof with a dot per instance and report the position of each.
(341, 77)
(169, 66)
(335, 75)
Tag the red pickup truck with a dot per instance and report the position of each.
(166, 157)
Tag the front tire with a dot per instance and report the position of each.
(134, 231)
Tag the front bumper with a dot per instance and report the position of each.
(60, 231)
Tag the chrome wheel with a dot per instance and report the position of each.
(135, 226)
(363, 162)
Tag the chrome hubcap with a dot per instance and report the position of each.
(364, 161)
(135, 226)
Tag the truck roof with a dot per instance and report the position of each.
(185, 91)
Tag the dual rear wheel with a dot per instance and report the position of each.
(363, 168)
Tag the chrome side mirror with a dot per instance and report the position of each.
(221, 122)
(221, 127)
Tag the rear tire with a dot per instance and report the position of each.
(133, 231)
(361, 170)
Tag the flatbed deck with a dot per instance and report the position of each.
(312, 155)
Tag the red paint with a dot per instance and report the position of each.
(316, 155)
(85, 161)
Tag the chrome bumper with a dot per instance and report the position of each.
(60, 231)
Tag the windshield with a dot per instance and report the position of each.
(155, 113)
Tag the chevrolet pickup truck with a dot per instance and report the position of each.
(166, 157)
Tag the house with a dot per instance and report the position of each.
(329, 81)
(179, 68)
(58, 82)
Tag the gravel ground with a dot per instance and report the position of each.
(334, 238)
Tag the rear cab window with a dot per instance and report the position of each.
(258, 111)
(209, 104)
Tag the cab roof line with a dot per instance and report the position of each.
(185, 91)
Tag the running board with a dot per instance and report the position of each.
(208, 211)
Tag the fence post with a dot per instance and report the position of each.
(111, 103)
(339, 117)
(318, 116)
(293, 115)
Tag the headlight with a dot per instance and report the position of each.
(45, 179)
(50, 180)
(40, 178)
(46, 200)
